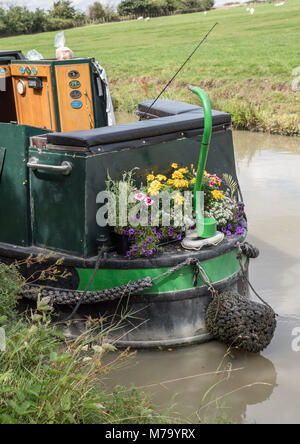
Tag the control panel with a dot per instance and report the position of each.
(33, 89)
(58, 95)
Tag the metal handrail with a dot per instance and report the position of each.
(65, 168)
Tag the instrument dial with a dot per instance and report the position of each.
(21, 87)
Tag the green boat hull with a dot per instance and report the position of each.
(171, 312)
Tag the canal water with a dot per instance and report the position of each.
(262, 388)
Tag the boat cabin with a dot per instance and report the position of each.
(56, 149)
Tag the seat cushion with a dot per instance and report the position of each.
(164, 108)
(137, 130)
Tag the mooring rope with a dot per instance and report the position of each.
(253, 252)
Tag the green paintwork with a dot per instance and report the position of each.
(206, 227)
(217, 269)
(58, 203)
(15, 216)
(2, 157)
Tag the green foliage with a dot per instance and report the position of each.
(96, 12)
(63, 9)
(10, 287)
(45, 379)
(161, 7)
(187, 6)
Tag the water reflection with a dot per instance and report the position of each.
(190, 372)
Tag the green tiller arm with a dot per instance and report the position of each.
(203, 153)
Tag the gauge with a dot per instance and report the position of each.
(75, 94)
(73, 74)
(28, 70)
(74, 84)
(34, 71)
(76, 104)
(21, 87)
(22, 70)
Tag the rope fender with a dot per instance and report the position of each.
(59, 296)
(238, 321)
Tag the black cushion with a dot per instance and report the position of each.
(137, 130)
(163, 108)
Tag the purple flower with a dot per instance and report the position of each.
(131, 232)
(171, 232)
(223, 229)
(149, 252)
(179, 237)
(158, 235)
(128, 254)
(144, 244)
(143, 251)
(138, 217)
(229, 227)
(150, 239)
(228, 233)
(126, 232)
(135, 248)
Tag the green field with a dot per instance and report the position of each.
(246, 65)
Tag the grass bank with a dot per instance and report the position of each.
(245, 66)
(47, 379)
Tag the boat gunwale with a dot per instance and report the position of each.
(113, 261)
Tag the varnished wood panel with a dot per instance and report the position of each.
(35, 107)
(74, 119)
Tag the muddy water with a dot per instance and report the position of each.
(261, 388)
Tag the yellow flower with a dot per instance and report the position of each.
(161, 177)
(206, 174)
(179, 199)
(181, 183)
(170, 181)
(174, 165)
(217, 194)
(154, 188)
(177, 175)
(193, 181)
(150, 177)
(183, 170)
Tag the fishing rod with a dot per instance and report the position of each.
(182, 66)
